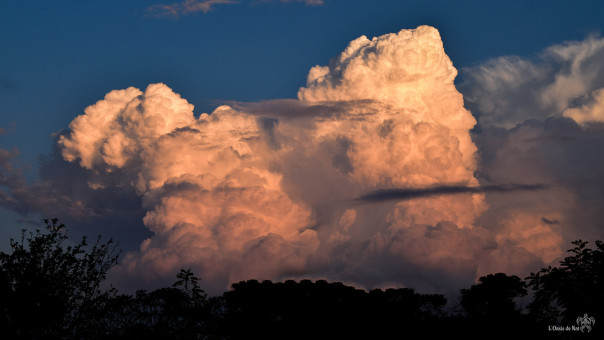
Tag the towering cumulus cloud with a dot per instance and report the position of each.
(212, 201)
(409, 129)
(268, 190)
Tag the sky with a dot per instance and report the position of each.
(378, 143)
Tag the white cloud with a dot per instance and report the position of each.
(507, 91)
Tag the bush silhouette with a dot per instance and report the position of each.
(47, 286)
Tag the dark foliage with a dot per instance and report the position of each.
(575, 288)
(307, 310)
(182, 311)
(490, 305)
(48, 285)
(51, 289)
(493, 297)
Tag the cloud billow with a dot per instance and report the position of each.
(276, 189)
(563, 80)
(236, 197)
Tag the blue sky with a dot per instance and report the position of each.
(58, 57)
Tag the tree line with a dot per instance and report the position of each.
(51, 289)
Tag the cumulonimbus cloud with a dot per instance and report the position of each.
(267, 190)
(239, 194)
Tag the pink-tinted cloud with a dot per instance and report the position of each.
(591, 111)
(268, 190)
(267, 195)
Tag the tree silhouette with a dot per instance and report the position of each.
(190, 284)
(490, 306)
(561, 294)
(320, 310)
(165, 313)
(47, 285)
(51, 288)
(493, 296)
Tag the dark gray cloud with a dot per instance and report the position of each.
(540, 121)
(62, 191)
(297, 109)
(556, 151)
(407, 194)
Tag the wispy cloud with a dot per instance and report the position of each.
(307, 2)
(187, 7)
